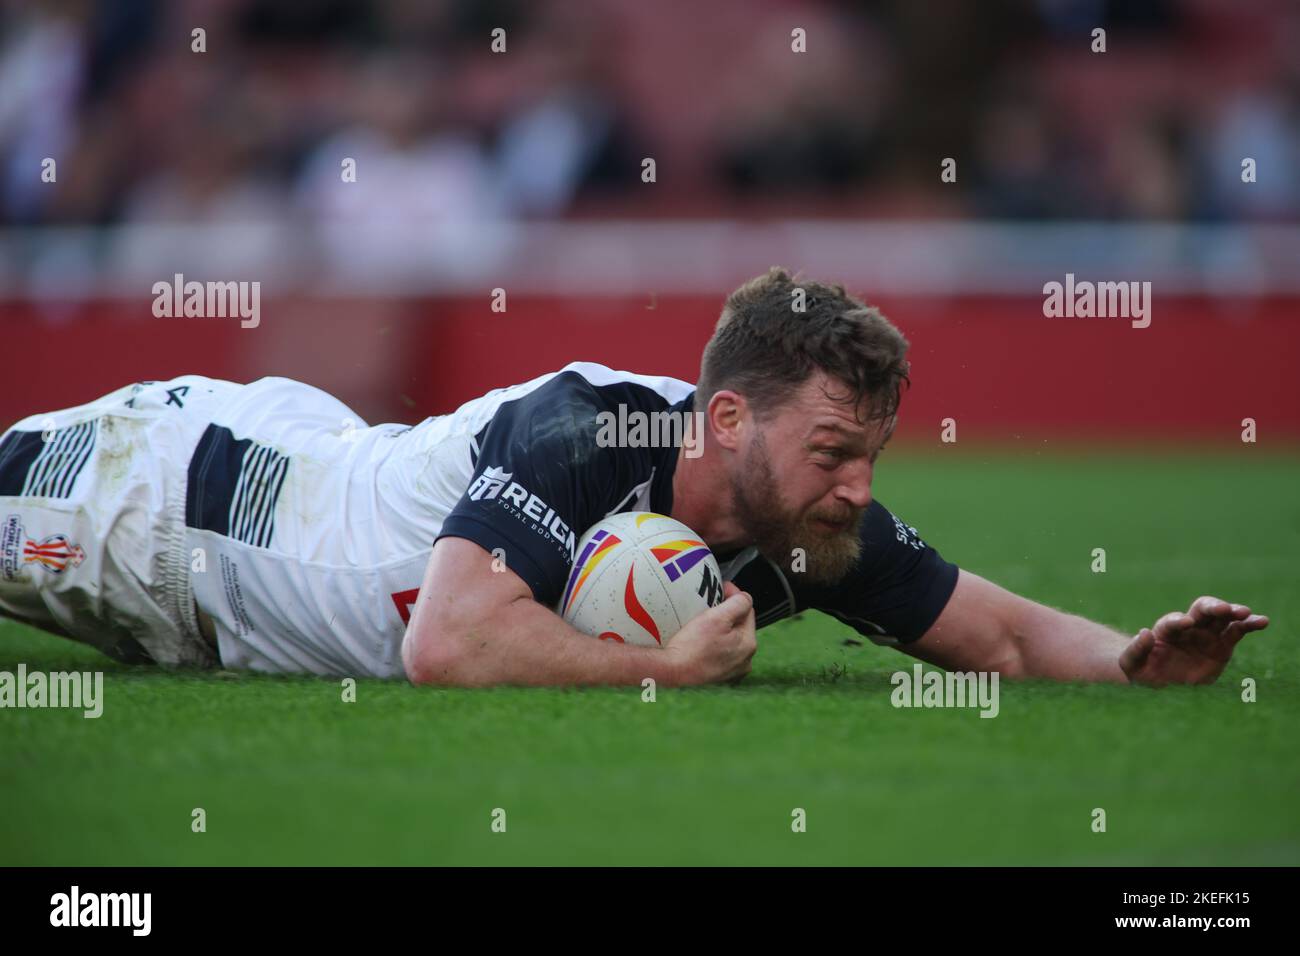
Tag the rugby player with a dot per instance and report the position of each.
(197, 522)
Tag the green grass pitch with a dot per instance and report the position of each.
(289, 774)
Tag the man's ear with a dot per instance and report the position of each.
(728, 414)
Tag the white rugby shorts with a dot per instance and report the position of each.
(92, 520)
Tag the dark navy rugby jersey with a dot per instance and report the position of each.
(541, 478)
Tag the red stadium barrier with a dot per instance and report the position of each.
(996, 365)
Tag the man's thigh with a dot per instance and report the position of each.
(92, 519)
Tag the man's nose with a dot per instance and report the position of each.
(856, 487)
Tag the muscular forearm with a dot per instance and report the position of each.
(526, 643)
(988, 628)
(1060, 646)
(984, 627)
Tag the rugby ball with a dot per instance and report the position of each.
(638, 578)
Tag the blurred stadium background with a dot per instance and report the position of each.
(522, 170)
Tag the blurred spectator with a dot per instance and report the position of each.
(1147, 173)
(1018, 171)
(418, 177)
(817, 121)
(1263, 126)
(565, 133)
(42, 52)
(1261, 122)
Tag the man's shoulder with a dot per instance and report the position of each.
(574, 402)
(604, 387)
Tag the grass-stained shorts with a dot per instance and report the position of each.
(92, 520)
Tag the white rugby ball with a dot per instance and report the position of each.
(638, 578)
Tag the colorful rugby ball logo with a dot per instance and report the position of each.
(635, 610)
(595, 551)
(678, 557)
(638, 578)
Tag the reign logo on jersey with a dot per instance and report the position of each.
(524, 505)
(489, 484)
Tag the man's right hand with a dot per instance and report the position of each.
(717, 645)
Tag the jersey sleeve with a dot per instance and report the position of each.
(540, 480)
(897, 590)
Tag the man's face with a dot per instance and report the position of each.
(802, 480)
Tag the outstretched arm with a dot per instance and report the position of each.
(987, 628)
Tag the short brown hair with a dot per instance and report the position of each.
(764, 349)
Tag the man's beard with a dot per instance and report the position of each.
(780, 536)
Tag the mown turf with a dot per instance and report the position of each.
(287, 773)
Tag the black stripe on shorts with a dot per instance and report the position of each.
(233, 487)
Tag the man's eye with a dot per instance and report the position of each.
(836, 454)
